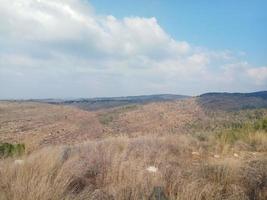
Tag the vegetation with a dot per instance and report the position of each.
(7, 149)
(105, 119)
(172, 149)
(108, 117)
(252, 134)
(261, 124)
(116, 168)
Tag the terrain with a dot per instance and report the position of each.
(92, 104)
(213, 146)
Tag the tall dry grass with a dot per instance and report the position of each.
(116, 168)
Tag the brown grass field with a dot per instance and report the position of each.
(189, 151)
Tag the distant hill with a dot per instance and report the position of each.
(54, 121)
(233, 101)
(212, 101)
(110, 102)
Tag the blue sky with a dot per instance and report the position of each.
(239, 25)
(80, 48)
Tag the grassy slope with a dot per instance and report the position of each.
(37, 124)
(199, 153)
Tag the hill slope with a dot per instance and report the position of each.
(190, 150)
(93, 104)
(233, 101)
(66, 123)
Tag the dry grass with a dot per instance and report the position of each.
(194, 154)
(116, 168)
(39, 124)
(249, 136)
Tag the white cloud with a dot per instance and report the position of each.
(66, 49)
(259, 75)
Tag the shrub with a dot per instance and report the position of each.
(261, 124)
(253, 134)
(7, 149)
(106, 119)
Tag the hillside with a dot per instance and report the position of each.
(39, 124)
(71, 122)
(207, 147)
(233, 101)
(93, 104)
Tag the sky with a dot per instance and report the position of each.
(93, 48)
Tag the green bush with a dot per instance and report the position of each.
(261, 124)
(109, 117)
(243, 132)
(7, 149)
(106, 118)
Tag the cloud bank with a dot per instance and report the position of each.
(63, 48)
